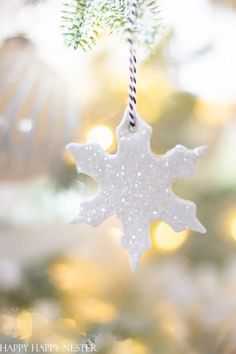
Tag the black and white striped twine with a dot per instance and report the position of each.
(132, 63)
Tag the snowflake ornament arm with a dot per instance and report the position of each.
(181, 161)
(92, 212)
(178, 163)
(90, 159)
(135, 186)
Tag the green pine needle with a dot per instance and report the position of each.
(83, 21)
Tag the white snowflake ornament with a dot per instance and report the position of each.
(135, 186)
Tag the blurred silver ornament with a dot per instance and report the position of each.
(135, 186)
(37, 115)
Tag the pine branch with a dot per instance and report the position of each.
(83, 21)
(80, 23)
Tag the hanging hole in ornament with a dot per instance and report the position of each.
(132, 128)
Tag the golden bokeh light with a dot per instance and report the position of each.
(81, 276)
(102, 135)
(167, 240)
(227, 224)
(68, 158)
(233, 229)
(129, 346)
(69, 322)
(18, 325)
(24, 325)
(63, 276)
(94, 310)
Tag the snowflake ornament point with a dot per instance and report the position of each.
(135, 186)
(73, 220)
(134, 260)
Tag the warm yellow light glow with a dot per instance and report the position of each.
(24, 325)
(101, 135)
(76, 276)
(167, 240)
(63, 276)
(227, 223)
(69, 322)
(94, 310)
(116, 233)
(133, 346)
(68, 158)
(233, 229)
